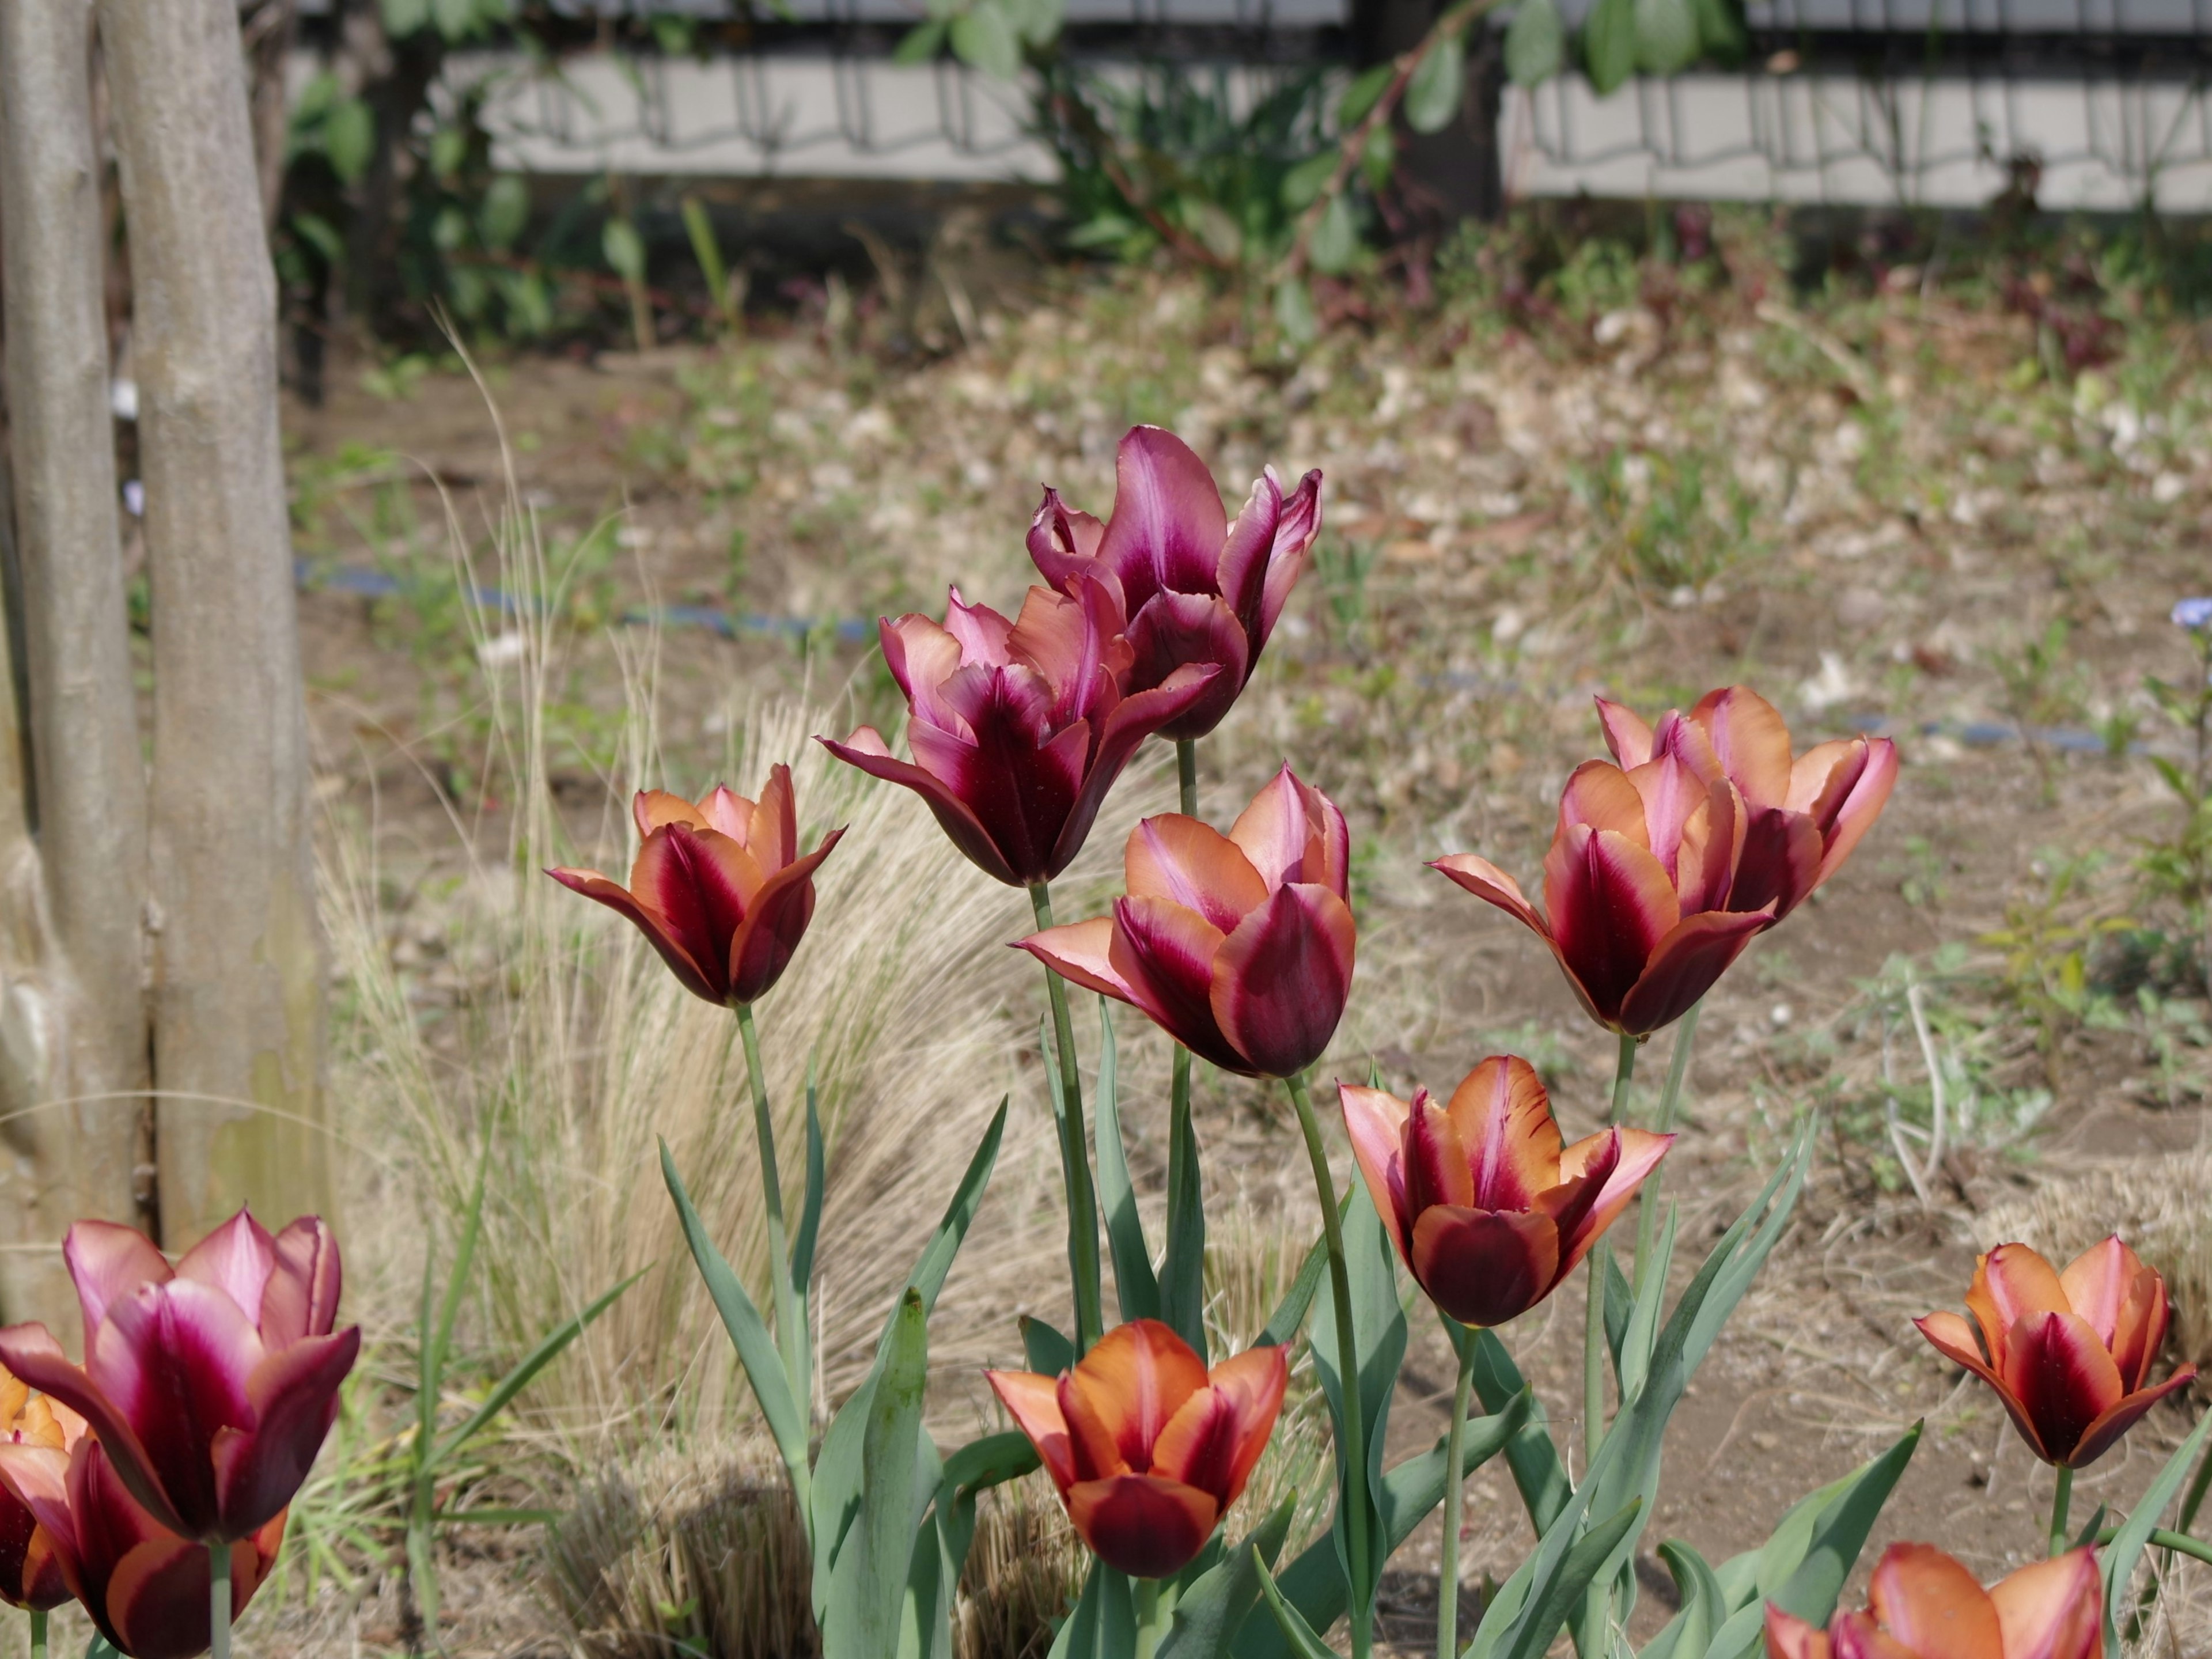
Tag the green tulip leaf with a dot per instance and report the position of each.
(1290, 1312)
(874, 1559)
(1135, 1287)
(2120, 1556)
(1209, 1612)
(1048, 1352)
(1539, 1472)
(1535, 43)
(1437, 85)
(1303, 1641)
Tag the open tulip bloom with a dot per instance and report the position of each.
(718, 886)
(1925, 1606)
(1192, 587)
(211, 1386)
(1019, 728)
(1147, 1448)
(30, 1570)
(2069, 1353)
(1239, 946)
(145, 1588)
(1489, 1210)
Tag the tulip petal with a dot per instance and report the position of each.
(771, 835)
(1195, 866)
(2097, 1284)
(2140, 1330)
(173, 1360)
(921, 655)
(1215, 1438)
(1485, 1266)
(1627, 734)
(1931, 1605)
(1780, 863)
(1957, 1341)
(301, 1296)
(775, 923)
(1081, 951)
(2012, 1283)
(1292, 832)
(1280, 980)
(1063, 544)
(651, 808)
(2051, 1609)
(1256, 1380)
(1436, 1168)
(236, 1259)
(1066, 640)
(32, 1353)
(699, 883)
(1374, 1121)
(865, 750)
(1133, 719)
(1165, 955)
(2124, 1414)
(1295, 533)
(1169, 524)
(593, 885)
(1241, 571)
(1487, 881)
(1688, 963)
(36, 1479)
(1140, 1524)
(107, 1261)
(1606, 798)
(2064, 1381)
(1607, 1169)
(1611, 903)
(1175, 630)
(1033, 1401)
(1505, 1120)
(985, 637)
(1135, 1379)
(1752, 740)
(1789, 1637)
(294, 1393)
(1862, 807)
(1855, 1636)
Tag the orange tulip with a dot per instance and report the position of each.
(1489, 1211)
(718, 886)
(1802, 816)
(30, 1573)
(2070, 1353)
(1926, 1606)
(1148, 1448)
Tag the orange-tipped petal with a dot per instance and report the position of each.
(2098, 1282)
(1125, 1390)
(1292, 832)
(2052, 1609)
(593, 885)
(651, 808)
(1485, 1266)
(1280, 980)
(1687, 965)
(1752, 740)
(2140, 1329)
(1869, 795)
(1081, 951)
(2122, 1415)
(1487, 881)
(1605, 798)
(1213, 1440)
(1142, 1524)
(1256, 1380)
(1933, 1607)
(1193, 865)
(1505, 1120)
(1438, 1170)
(2011, 1283)
(1789, 1637)
(1165, 955)
(1956, 1340)
(1616, 1162)
(1033, 1401)
(1626, 734)
(1375, 1121)
(773, 826)
(2064, 1381)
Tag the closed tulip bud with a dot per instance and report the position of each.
(1923, 1605)
(1148, 1448)
(210, 1385)
(1192, 588)
(1489, 1210)
(1239, 946)
(1020, 727)
(718, 886)
(30, 1571)
(144, 1587)
(2069, 1353)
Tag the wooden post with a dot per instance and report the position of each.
(72, 812)
(238, 980)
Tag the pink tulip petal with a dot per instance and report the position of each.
(1241, 571)
(1752, 741)
(1606, 798)
(593, 885)
(2122, 1414)
(1858, 812)
(2052, 1609)
(1281, 979)
(1082, 952)
(772, 833)
(1165, 955)
(1175, 630)
(1193, 865)
(108, 1261)
(1505, 1120)
(173, 1360)
(984, 636)
(1292, 832)
(1627, 734)
(2064, 1381)
(1485, 1266)
(1374, 1121)
(301, 1296)
(236, 1259)
(31, 1353)
(1780, 863)
(1611, 903)
(1169, 524)
(1487, 881)
(1033, 1401)
(1133, 719)
(1064, 543)
(1688, 962)
(921, 655)
(2097, 1284)
(2012, 1283)
(295, 1392)
(865, 750)
(1932, 1605)
(1618, 1177)
(1295, 532)
(1069, 639)
(1142, 1524)
(766, 939)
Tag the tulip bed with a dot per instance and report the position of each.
(1688, 872)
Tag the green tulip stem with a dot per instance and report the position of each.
(2195, 1500)
(764, 1132)
(2062, 1500)
(219, 1599)
(1148, 1616)
(1074, 1149)
(1670, 1100)
(1455, 1495)
(1598, 1260)
(1187, 774)
(1182, 1194)
(1347, 1370)
(38, 1633)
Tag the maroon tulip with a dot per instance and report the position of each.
(718, 887)
(30, 1571)
(211, 1385)
(1802, 816)
(1239, 946)
(1193, 587)
(146, 1588)
(1019, 728)
(1489, 1210)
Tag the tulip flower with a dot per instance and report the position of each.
(145, 1588)
(1802, 816)
(1239, 946)
(1019, 728)
(1148, 1448)
(718, 886)
(2069, 1353)
(1638, 889)
(1194, 588)
(30, 1571)
(212, 1385)
(1926, 1606)
(1489, 1210)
